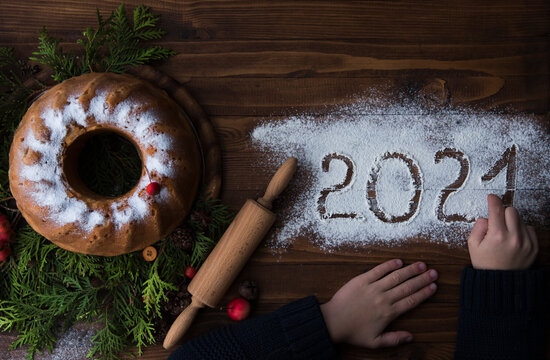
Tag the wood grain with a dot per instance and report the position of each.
(251, 62)
(409, 22)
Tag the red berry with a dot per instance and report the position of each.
(6, 251)
(238, 309)
(153, 188)
(5, 237)
(5, 225)
(190, 272)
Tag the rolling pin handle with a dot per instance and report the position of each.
(279, 182)
(182, 324)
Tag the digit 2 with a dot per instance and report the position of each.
(455, 186)
(371, 188)
(321, 202)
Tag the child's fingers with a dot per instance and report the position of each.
(532, 234)
(496, 213)
(478, 231)
(412, 301)
(513, 221)
(401, 275)
(392, 338)
(381, 270)
(533, 239)
(529, 244)
(411, 286)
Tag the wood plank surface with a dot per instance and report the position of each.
(252, 62)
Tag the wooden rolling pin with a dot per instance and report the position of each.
(231, 253)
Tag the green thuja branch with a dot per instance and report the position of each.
(142, 330)
(47, 289)
(8, 76)
(155, 290)
(7, 58)
(202, 247)
(116, 43)
(209, 220)
(40, 330)
(92, 43)
(217, 214)
(13, 104)
(124, 41)
(80, 264)
(50, 54)
(110, 340)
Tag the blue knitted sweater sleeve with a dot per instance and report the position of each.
(503, 314)
(295, 331)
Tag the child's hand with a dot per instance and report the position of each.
(360, 311)
(503, 242)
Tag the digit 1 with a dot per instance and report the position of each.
(371, 188)
(508, 161)
(321, 202)
(455, 186)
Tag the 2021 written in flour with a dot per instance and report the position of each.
(386, 178)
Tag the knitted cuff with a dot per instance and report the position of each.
(499, 291)
(502, 314)
(305, 329)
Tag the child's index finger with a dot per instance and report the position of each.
(496, 213)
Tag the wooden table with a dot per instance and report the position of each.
(250, 61)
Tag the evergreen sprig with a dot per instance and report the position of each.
(115, 44)
(13, 104)
(44, 289)
(50, 54)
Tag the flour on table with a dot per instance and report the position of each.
(385, 174)
(74, 344)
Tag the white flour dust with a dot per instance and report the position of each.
(369, 173)
(74, 344)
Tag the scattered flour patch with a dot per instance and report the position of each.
(365, 132)
(74, 344)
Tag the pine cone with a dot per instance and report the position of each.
(177, 303)
(183, 237)
(202, 217)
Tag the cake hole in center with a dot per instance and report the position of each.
(109, 164)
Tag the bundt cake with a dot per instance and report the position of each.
(44, 156)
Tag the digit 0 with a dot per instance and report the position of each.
(371, 188)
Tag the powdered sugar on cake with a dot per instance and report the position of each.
(51, 190)
(385, 146)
